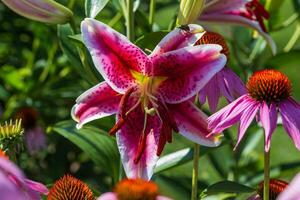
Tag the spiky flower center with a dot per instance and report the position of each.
(269, 86)
(214, 38)
(11, 130)
(68, 187)
(276, 187)
(136, 189)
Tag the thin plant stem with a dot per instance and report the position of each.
(293, 39)
(195, 172)
(152, 12)
(130, 20)
(267, 175)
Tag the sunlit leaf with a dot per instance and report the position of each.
(227, 187)
(93, 7)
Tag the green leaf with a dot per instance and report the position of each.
(100, 147)
(76, 38)
(179, 158)
(227, 187)
(149, 41)
(93, 7)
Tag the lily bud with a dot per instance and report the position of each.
(189, 11)
(47, 11)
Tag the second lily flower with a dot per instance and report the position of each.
(149, 94)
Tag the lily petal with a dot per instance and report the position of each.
(238, 20)
(192, 124)
(114, 55)
(40, 10)
(290, 113)
(130, 143)
(268, 119)
(95, 103)
(196, 66)
(179, 38)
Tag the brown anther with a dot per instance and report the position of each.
(123, 102)
(117, 126)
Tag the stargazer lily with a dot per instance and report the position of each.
(149, 94)
(249, 13)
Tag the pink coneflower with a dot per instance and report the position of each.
(225, 83)
(269, 92)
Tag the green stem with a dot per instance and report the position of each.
(267, 175)
(195, 172)
(152, 12)
(293, 39)
(71, 4)
(130, 20)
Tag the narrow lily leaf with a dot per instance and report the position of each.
(76, 38)
(47, 11)
(93, 7)
(100, 147)
(179, 158)
(227, 187)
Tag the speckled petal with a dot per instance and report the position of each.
(192, 124)
(114, 55)
(179, 38)
(187, 70)
(128, 143)
(97, 102)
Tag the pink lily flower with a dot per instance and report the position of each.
(292, 192)
(47, 11)
(14, 185)
(148, 93)
(225, 83)
(269, 92)
(249, 13)
(137, 189)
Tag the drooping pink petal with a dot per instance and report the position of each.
(290, 113)
(187, 70)
(211, 91)
(40, 10)
(114, 55)
(8, 190)
(230, 114)
(97, 102)
(238, 20)
(108, 196)
(268, 119)
(137, 143)
(179, 38)
(217, 6)
(232, 86)
(245, 120)
(292, 192)
(192, 123)
(36, 186)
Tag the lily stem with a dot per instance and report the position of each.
(130, 20)
(267, 175)
(195, 172)
(152, 12)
